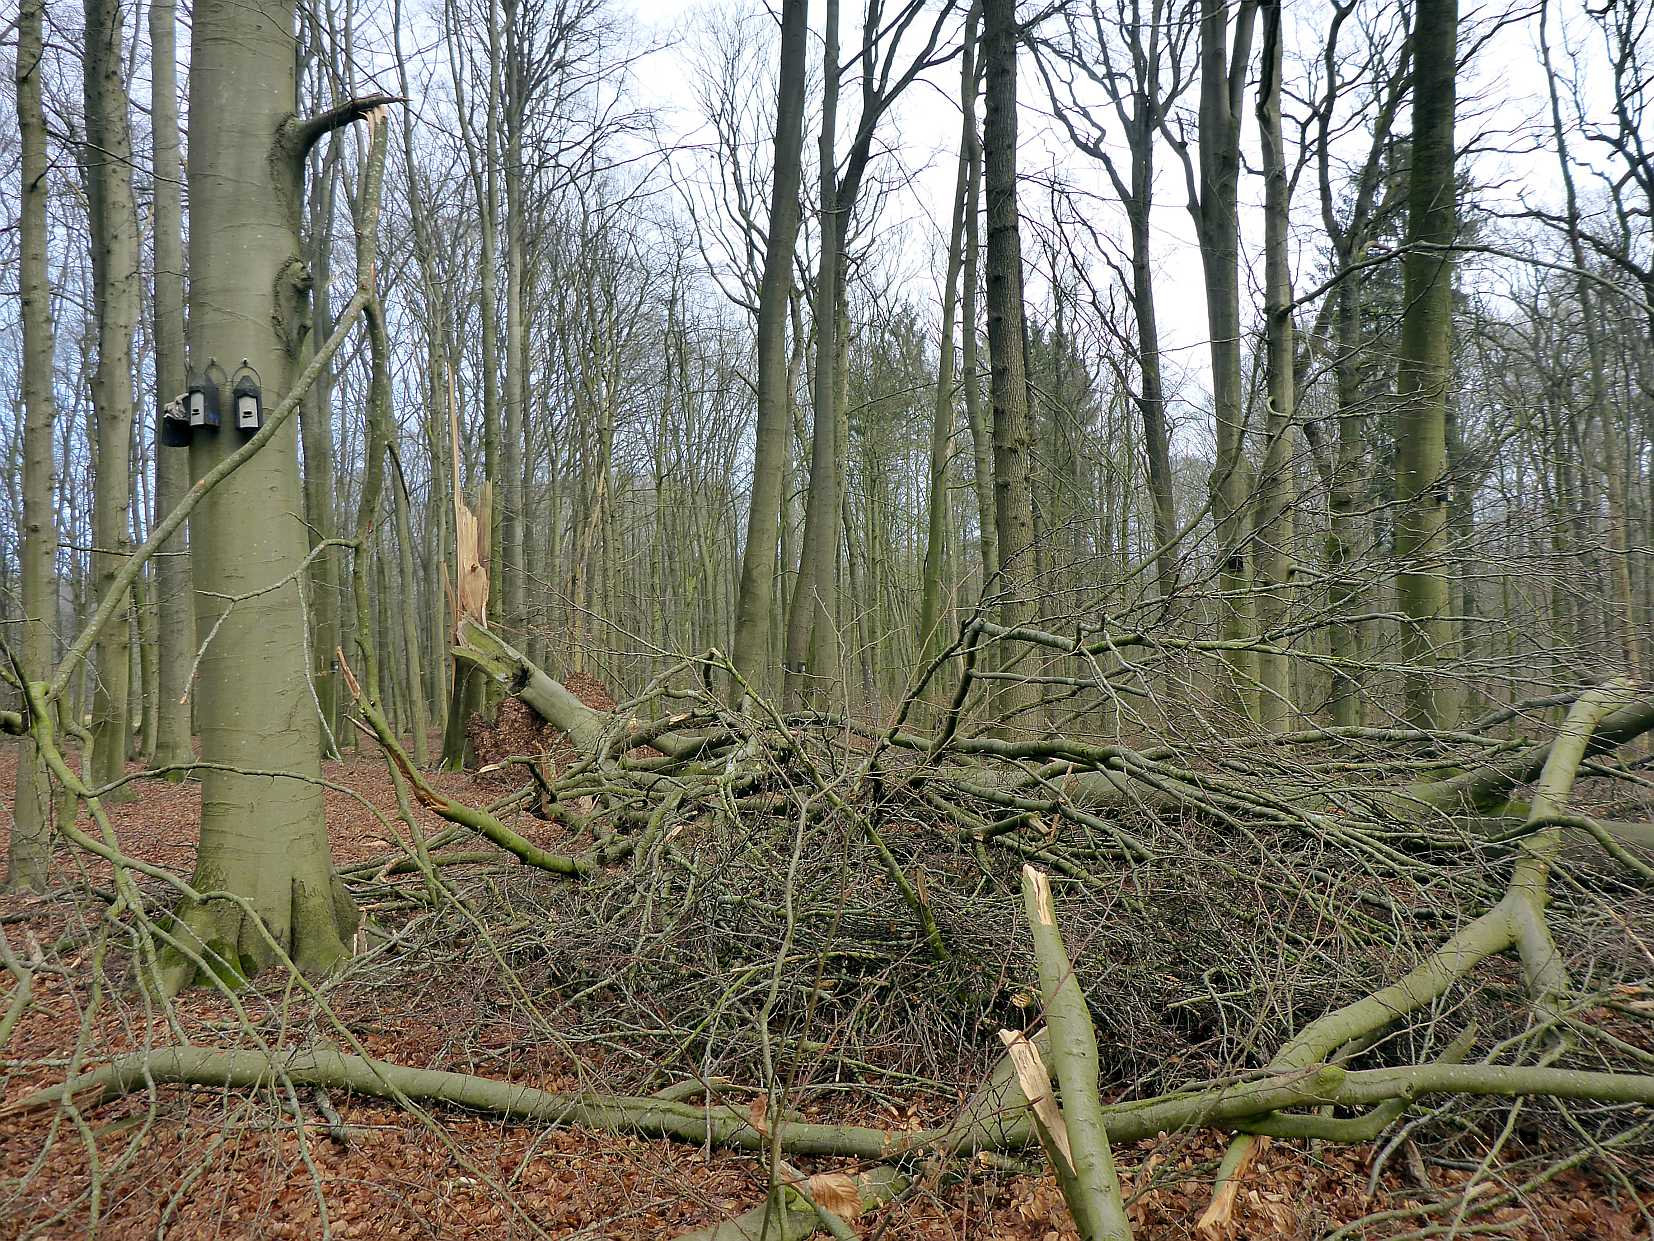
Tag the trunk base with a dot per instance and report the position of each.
(314, 930)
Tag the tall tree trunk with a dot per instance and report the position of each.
(175, 604)
(114, 236)
(438, 367)
(1143, 121)
(1275, 490)
(941, 430)
(1008, 370)
(145, 675)
(812, 655)
(1346, 536)
(1427, 294)
(369, 650)
(1349, 534)
(750, 650)
(418, 707)
(511, 565)
(262, 837)
(1151, 401)
(488, 194)
(1216, 211)
(1612, 456)
(982, 448)
(316, 438)
(29, 850)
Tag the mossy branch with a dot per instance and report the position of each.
(479, 821)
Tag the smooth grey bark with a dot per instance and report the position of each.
(107, 158)
(29, 849)
(1349, 534)
(175, 605)
(370, 651)
(750, 650)
(438, 523)
(1423, 371)
(482, 167)
(813, 635)
(262, 837)
(418, 706)
(144, 672)
(1147, 108)
(488, 199)
(1630, 636)
(512, 535)
(1141, 97)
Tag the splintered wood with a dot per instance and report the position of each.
(471, 530)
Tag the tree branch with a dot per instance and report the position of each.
(299, 134)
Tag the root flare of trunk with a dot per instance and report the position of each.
(314, 930)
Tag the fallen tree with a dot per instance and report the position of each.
(644, 802)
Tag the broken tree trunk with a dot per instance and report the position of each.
(469, 599)
(1091, 1185)
(590, 730)
(491, 656)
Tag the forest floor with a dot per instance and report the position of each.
(194, 1164)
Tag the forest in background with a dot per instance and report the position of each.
(764, 484)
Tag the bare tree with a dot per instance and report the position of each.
(29, 850)
(1008, 373)
(1422, 385)
(176, 606)
(107, 160)
(752, 609)
(1213, 204)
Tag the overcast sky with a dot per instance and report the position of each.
(1503, 97)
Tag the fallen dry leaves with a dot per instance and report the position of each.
(206, 1164)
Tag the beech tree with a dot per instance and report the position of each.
(262, 840)
(1422, 383)
(30, 850)
(1008, 373)
(175, 611)
(107, 160)
(752, 608)
(1213, 190)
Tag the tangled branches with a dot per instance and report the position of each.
(1300, 940)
